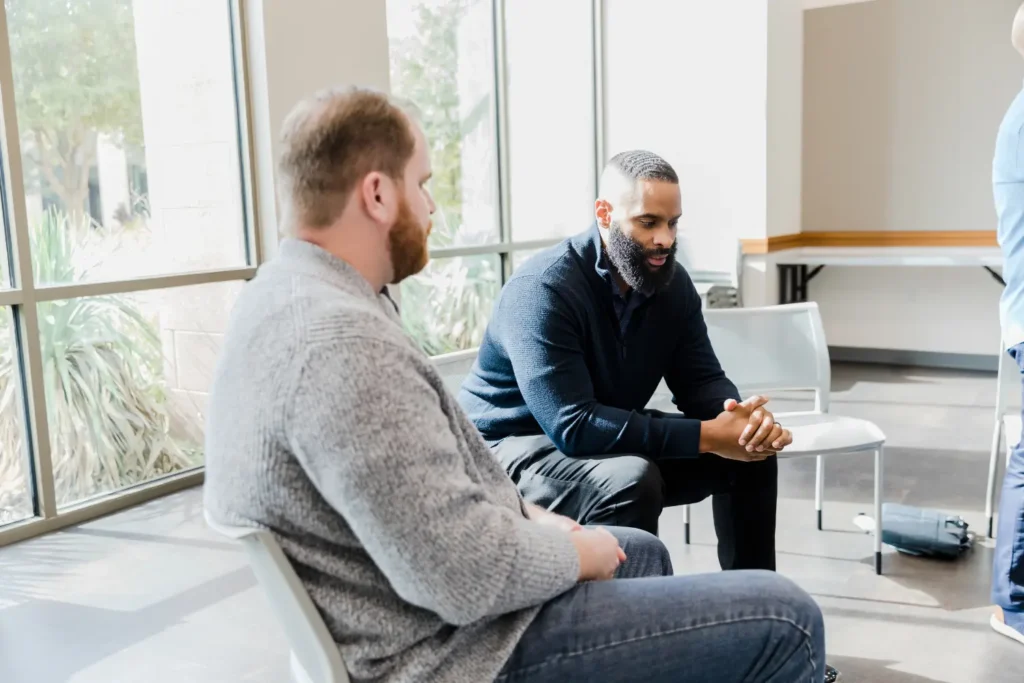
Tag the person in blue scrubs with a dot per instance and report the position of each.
(1008, 189)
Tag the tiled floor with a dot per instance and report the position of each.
(151, 595)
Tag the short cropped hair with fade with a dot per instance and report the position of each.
(639, 164)
(332, 140)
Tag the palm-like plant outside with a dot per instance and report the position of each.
(108, 412)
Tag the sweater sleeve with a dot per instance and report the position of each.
(368, 429)
(545, 346)
(695, 377)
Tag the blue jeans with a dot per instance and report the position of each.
(1008, 568)
(647, 625)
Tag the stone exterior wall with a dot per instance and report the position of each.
(192, 160)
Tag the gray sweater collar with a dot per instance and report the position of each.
(304, 257)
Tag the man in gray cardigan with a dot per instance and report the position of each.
(329, 427)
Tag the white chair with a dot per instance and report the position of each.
(1006, 423)
(314, 654)
(782, 348)
(453, 368)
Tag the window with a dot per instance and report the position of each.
(447, 306)
(550, 118)
(129, 135)
(442, 60)
(508, 175)
(134, 223)
(126, 378)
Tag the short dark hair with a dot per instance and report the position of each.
(330, 141)
(639, 164)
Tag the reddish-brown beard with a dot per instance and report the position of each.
(407, 243)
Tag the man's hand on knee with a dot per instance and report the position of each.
(599, 552)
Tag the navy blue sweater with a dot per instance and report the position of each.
(554, 360)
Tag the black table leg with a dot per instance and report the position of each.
(793, 281)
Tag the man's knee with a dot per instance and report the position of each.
(635, 491)
(784, 601)
(646, 555)
(757, 477)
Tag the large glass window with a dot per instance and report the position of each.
(506, 94)
(446, 307)
(129, 135)
(551, 129)
(126, 378)
(442, 60)
(134, 220)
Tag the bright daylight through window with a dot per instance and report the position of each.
(505, 176)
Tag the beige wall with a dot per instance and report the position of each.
(295, 48)
(902, 100)
(785, 115)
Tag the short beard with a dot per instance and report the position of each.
(407, 243)
(630, 259)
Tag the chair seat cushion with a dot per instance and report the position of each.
(821, 434)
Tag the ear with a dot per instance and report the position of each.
(603, 212)
(378, 195)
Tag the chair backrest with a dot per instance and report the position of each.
(453, 368)
(775, 348)
(311, 643)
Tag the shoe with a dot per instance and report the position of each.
(1012, 628)
(831, 675)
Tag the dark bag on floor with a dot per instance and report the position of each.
(920, 531)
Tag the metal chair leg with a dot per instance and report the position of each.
(993, 466)
(879, 462)
(819, 486)
(686, 524)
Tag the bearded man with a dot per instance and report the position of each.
(579, 341)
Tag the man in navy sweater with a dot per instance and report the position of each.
(581, 337)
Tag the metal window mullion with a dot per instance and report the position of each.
(243, 110)
(113, 502)
(598, 18)
(11, 297)
(141, 284)
(484, 249)
(502, 130)
(29, 345)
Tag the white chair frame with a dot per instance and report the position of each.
(315, 657)
(1006, 425)
(735, 335)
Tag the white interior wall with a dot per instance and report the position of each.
(902, 100)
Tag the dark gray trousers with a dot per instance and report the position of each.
(631, 491)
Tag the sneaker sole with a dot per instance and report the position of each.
(1000, 627)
